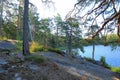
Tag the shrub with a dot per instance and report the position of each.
(90, 60)
(102, 60)
(85, 42)
(112, 37)
(19, 45)
(55, 50)
(3, 38)
(104, 64)
(34, 47)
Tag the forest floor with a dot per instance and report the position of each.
(54, 67)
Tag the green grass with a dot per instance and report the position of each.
(62, 48)
(88, 59)
(102, 60)
(19, 45)
(3, 38)
(54, 50)
(104, 64)
(38, 59)
(115, 69)
(36, 47)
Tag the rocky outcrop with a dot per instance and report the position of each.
(6, 46)
(54, 67)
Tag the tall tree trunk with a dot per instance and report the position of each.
(93, 51)
(70, 41)
(46, 40)
(1, 10)
(30, 31)
(26, 29)
(57, 37)
(19, 21)
(67, 42)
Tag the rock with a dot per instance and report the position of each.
(98, 63)
(18, 78)
(17, 58)
(33, 67)
(2, 70)
(3, 62)
(20, 56)
(6, 46)
(17, 75)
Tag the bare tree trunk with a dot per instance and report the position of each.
(30, 31)
(67, 42)
(1, 17)
(70, 41)
(57, 37)
(26, 29)
(19, 21)
(19, 15)
(46, 40)
(93, 52)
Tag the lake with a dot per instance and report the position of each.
(112, 57)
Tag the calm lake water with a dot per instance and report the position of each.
(112, 57)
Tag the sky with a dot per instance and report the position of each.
(61, 6)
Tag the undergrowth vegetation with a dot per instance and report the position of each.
(39, 59)
(34, 47)
(116, 69)
(19, 45)
(102, 62)
(3, 38)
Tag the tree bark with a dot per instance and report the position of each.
(67, 42)
(57, 38)
(26, 29)
(70, 41)
(93, 52)
(1, 17)
(19, 30)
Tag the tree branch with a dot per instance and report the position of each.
(118, 32)
(98, 6)
(114, 6)
(101, 12)
(111, 18)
